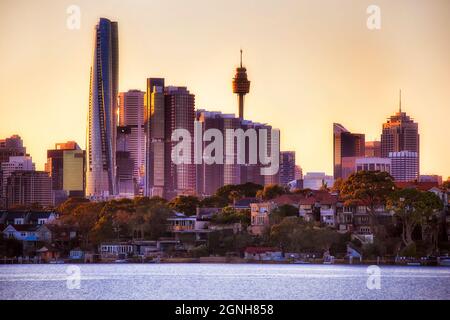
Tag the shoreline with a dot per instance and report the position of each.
(224, 260)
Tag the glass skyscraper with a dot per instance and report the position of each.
(102, 117)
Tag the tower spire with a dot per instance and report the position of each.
(400, 101)
(241, 58)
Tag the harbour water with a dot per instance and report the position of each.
(221, 281)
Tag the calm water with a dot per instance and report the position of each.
(221, 281)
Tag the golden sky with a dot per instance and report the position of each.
(310, 62)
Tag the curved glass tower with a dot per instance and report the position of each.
(102, 116)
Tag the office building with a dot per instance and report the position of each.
(65, 166)
(404, 167)
(347, 147)
(401, 133)
(132, 114)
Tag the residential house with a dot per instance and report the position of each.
(263, 254)
(260, 216)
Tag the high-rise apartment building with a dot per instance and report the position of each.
(347, 147)
(65, 166)
(179, 113)
(19, 163)
(400, 133)
(132, 114)
(102, 115)
(404, 166)
(287, 167)
(210, 177)
(26, 188)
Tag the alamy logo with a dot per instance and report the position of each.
(73, 21)
(73, 280)
(374, 19)
(258, 150)
(374, 279)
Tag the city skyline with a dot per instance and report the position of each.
(427, 105)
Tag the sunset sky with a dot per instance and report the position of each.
(310, 63)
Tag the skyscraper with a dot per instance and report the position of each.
(401, 133)
(179, 114)
(132, 114)
(347, 147)
(241, 86)
(102, 118)
(126, 186)
(210, 176)
(156, 138)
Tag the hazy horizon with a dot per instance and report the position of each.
(310, 63)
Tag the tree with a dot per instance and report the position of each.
(281, 212)
(213, 202)
(369, 189)
(150, 222)
(413, 208)
(247, 190)
(185, 204)
(272, 191)
(84, 216)
(446, 184)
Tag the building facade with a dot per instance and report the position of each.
(346, 147)
(401, 133)
(156, 137)
(287, 167)
(132, 114)
(102, 116)
(373, 164)
(26, 188)
(405, 165)
(65, 165)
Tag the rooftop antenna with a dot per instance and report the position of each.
(400, 101)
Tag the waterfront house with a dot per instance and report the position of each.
(263, 254)
(115, 250)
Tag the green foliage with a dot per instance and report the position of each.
(294, 235)
(247, 190)
(185, 204)
(272, 191)
(281, 212)
(229, 215)
(213, 202)
(368, 188)
(413, 207)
